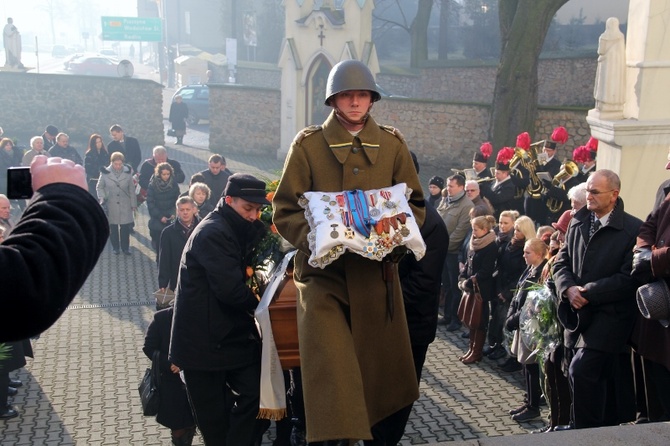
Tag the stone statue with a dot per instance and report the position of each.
(12, 41)
(610, 88)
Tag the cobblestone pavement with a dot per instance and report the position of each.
(81, 388)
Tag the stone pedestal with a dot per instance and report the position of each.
(636, 145)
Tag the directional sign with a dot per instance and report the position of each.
(137, 29)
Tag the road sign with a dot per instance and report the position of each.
(138, 29)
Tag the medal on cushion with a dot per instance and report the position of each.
(374, 212)
(349, 233)
(404, 230)
(397, 237)
(383, 230)
(386, 194)
(334, 233)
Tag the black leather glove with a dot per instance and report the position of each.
(642, 264)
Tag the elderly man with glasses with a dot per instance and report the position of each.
(597, 304)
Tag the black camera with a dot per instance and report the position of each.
(19, 183)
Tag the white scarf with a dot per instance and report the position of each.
(273, 390)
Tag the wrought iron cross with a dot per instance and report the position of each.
(321, 35)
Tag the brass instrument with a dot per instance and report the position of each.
(529, 159)
(569, 169)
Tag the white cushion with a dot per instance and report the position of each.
(330, 237)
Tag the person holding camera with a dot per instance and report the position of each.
(64, 230)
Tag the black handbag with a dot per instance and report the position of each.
(171, 132)
(149, 387)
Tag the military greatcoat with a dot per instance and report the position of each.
(356, 363)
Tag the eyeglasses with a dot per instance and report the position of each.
(470, 190)
(598, 192)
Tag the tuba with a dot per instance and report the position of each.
(529, 159)
(568, 170)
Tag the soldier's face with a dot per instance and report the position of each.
(353, 104)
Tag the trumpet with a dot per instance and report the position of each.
(569, 169)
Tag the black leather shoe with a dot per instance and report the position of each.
(8, 413)
(563, 427)
(511, 365)
(498, 353)
(543, 430)
(15, 383)
(517, 410)
(453, 326)
(11, 391)
(530, 413)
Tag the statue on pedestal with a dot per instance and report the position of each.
(610, 86)
(12, 40)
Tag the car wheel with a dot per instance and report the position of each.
(193, 118)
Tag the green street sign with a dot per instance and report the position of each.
(137, 29)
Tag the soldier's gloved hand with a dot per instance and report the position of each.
(642, 264)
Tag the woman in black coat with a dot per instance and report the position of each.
(178, 115)
(174, 411)
(535, 254)
(509, 267)
(95, 158)
(162, 195)
(482, 254)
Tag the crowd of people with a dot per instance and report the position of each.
(561, 227)
(530, 223)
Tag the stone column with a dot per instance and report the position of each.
(635, 145)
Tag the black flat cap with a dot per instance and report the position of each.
(247, 187)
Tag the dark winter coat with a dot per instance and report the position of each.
(213, 327)
(216, 183)
(602, 266)
(178, 115)
(510, 265)
(650, 339)
(420, 280)
(68, 153)
(161, 203)
(173, 240)
(131, 151)
(528, 279)
(148, 167)
(501, 197)
(63, 230)
(174, 411)
(482, 264)
(94, 161)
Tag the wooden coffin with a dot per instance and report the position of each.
(284, 322)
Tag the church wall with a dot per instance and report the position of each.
(562, 82)
(443, 134)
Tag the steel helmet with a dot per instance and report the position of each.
(350, 75)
